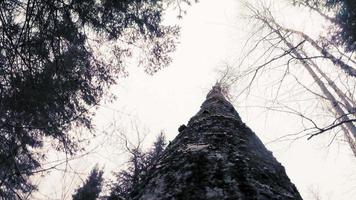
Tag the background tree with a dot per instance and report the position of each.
(139, 165)
(91, 188)
(58, 59)
(316, 77)
(342, 14)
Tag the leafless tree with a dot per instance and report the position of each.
(331, 74)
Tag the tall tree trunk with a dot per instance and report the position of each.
(349, 139)
(334, 103)
(346, 102)
(337, 61)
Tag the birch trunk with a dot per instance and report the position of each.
(334, 103)
(347, 102)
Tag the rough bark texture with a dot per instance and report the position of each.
(216, 157)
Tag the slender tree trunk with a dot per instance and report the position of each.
(337, 61)
(346, 102)
(349, 139)
(334, 103)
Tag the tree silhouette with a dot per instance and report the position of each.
(140, 163)
(58, 59)
(343, 28)
(92, 186)
(345, 31)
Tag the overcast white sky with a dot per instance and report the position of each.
(211, 35)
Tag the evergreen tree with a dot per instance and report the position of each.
(343, 19)
(345, 33)
(155, 152)
(92, 186)
(140, 163)
(52, 71)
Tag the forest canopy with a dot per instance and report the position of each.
(58, 60)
